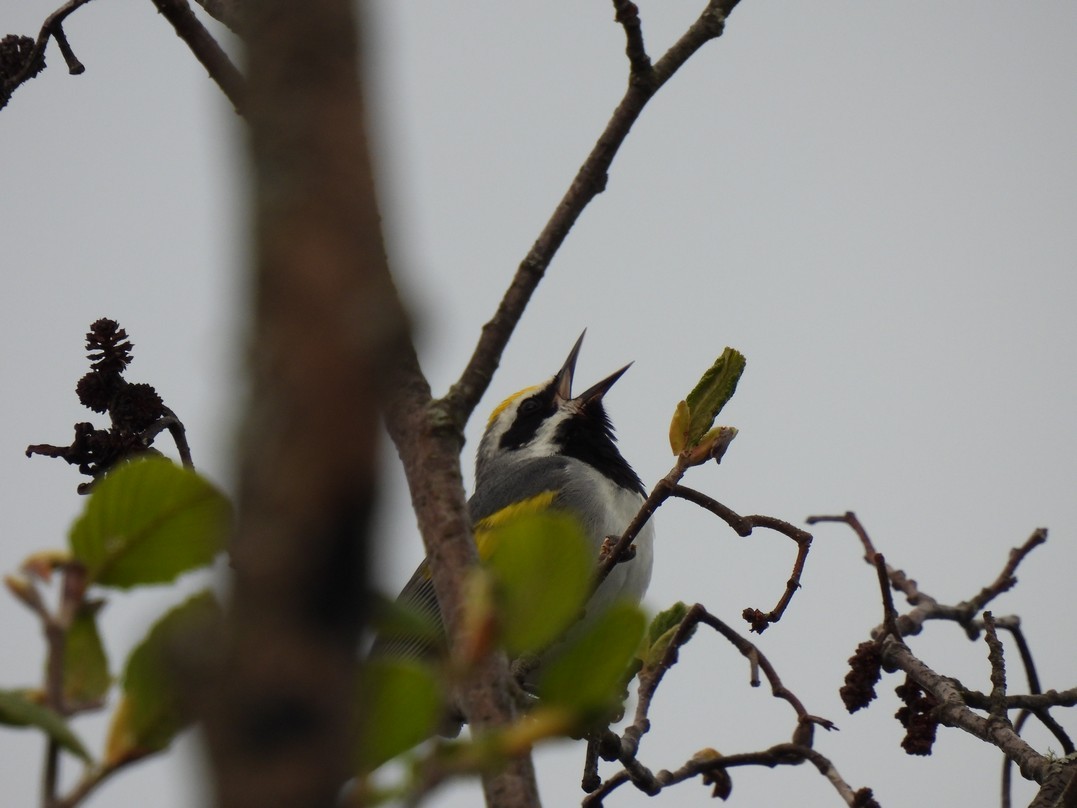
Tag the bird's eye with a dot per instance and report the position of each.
(530, 406)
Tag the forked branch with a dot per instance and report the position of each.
(949, 703)
(178, 12)
(590, 180)
(707, 763)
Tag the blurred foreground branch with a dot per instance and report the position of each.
(327, 328)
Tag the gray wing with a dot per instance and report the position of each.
(503, 485)
(581, 491)
(418, 596)
(506, 483)
(424, 640)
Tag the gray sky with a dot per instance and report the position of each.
(874, 202)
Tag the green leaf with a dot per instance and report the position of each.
(660, 634)
(149, 715)
(148, 522)
(17, 709)
(86, 676)
(588, 675)
(542, 565)
(401, 704)
(665, 620)
(712, 392)
(679, 426)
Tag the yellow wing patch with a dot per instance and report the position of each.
(504, 405)
(486, 528)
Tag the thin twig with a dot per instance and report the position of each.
(1041, 712)
(627, 14)
(849, 518)
(206, 49)
(649, 681)
(707, 763)
(94, 778)
(1008, 702)
(53, 24)
(927, 608)
(889, 612)
(953, 703)
(177, 12)
(625, 749)
(176, 429)
(1006, 578)
(228, 12)
(51, 773)
(743, 525)
(590, 180)
(590, 780)
(757, 660)
(56, 626)
(608, 786)
(1006, 783)
(74, 66)
(995, 656)
(54, 697)
(662, 491)
(1025, 701)
(752, 652)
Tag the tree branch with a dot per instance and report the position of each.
(94, 778)
(429, 447)
(889, 612)
(627, 14)
(278, 706)
(954, 712)
(927, 607)
(952, 702)
(206, 49)
(997, 699)
(1026, 701)
(707, 762)
(590, 180)
(35, 60)
(177, 12)
(614, 552)
(1059, 786)
(227, 12)
(428, 433)
(1006, 578)
(744, 525)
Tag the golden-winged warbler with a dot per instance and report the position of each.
(544, 448)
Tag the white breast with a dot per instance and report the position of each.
(611, 509)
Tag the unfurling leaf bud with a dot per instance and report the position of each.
(694, 417)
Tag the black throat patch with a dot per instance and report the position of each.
(588, 436)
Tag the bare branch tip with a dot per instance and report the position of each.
(627, 15)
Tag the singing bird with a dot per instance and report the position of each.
(544, 448)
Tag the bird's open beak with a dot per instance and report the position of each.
(563, 379)
(595, 392)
